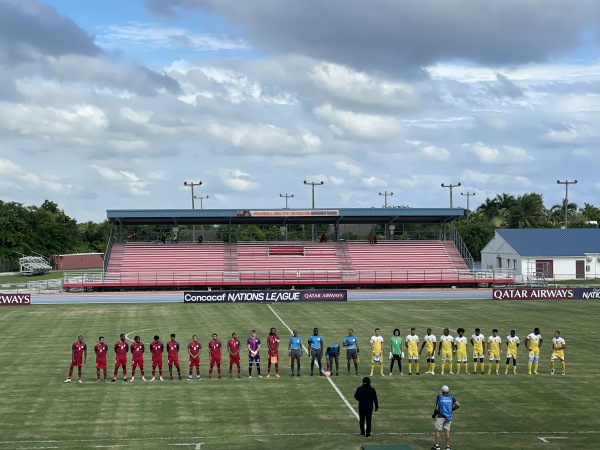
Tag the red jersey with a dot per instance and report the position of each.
(172, 349)
(273, 343)
(233, 345)
(101, 350)
(137, 350)
(214, 348)
(156, 348)
(78, 348)
(121, 348)
(194, 348)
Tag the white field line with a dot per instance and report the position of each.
(93, 442)
(131, 332)
(344, 399)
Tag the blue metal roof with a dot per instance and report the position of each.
(552, 241)
(306, 215)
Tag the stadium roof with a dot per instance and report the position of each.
(282, 216)
(552, 241)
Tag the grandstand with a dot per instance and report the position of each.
(34, 265)
(394, 261)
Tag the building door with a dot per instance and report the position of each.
(544, 267)
(580, 269)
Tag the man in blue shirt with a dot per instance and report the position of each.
(295, 350)
(444, 405)
(315, 350)
(351, 344)
(332, 353)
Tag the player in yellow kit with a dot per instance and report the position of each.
(429, 344)
(512, 342)
(533, 343)
(460, 344)
(377, 351)
(446, 349)
(494, 351)
(412, 348)
(478, 343)
(558, 352)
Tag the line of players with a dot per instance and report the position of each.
(157, 348)
(447, 346)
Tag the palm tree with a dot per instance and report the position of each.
(528, 211)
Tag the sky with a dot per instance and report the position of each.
(114, 105)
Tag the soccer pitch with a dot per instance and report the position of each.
(38, 410)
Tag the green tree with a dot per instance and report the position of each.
(475, 232)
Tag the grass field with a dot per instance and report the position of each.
(37, 410)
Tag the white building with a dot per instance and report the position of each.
(550, 253)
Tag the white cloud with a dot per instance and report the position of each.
(350, 168)
(8, 167)
(237, 180)
(349, 124)
(373, 182)
(504, 155)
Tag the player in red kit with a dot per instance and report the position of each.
(121, 349)
(78, 357)
(137, 357)
(214, 350)
(273, 347)
(194, 349)
(173, 356)
(101, 349)
(156, 349)
(233, 347)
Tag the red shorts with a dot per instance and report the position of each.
(76, 362)
(274, 356)
(234, 359)
(101, 364)
(137, 362)
(121, 360)
(215, 360)
(157, 362)
(173, 360)
(194, 362)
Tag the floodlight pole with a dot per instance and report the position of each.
(192, 185)
(313, 184)
(202, 198)
(451, 186)
(385, 195)
(286, 196)
(566, 183)
(468, 194)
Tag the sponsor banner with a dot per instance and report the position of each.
(266, 296)
(15, 299)
(546, 293)
(288, 213)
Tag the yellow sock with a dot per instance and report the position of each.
(563, 365)
(551, 364)
(417, 366)
(443, 366)
(506, 368)
(514, 369)
(535, 367)
(529, 368)
(466, 367)
(497, 366)
(372, 366)
(490, 367)
(410, 367)
(457, 367)
(381, 368)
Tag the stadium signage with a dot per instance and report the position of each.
(288, 213)
(546, 294)
(15, 299)
(266, 296)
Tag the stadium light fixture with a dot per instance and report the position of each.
(566, 183)
(192, 185)
(386, 194)
(468, 195)
(451, 186)
(286, 196)
(201, 198)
